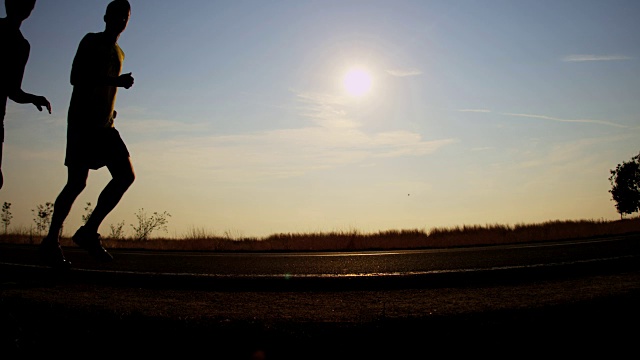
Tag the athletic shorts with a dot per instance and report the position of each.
(94, 149)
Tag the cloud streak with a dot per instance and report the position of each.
(581, 58)
(475, 110)
(550, 118)
(404, 72)
(585, 121)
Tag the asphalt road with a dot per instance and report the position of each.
(368, 267)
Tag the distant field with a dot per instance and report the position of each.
(466, 235)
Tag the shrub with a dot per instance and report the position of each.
(42, 216)
(6, 215)
(147, 225)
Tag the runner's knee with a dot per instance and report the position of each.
(76, 186)
(126, 179)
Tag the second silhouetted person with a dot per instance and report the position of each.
(92, 139)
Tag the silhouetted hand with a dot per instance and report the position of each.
(125, 80)
(41, 101)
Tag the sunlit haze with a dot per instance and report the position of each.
(245, 120)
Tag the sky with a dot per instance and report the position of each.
(240, 122)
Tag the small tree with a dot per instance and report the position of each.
(88, 211)
(6, 216)
(146, 225)
(42, 216)
(625, 190)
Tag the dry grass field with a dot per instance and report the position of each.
(466, 235)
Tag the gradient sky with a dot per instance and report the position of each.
(480, 113)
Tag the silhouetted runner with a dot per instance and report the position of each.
(15, 54)
(92, 140)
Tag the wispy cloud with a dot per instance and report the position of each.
(330, 139)
(336, 131)
(404, 72)
(579, 58)
(325, 110)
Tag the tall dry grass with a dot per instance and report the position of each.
(459, 236)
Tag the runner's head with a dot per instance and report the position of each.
(117, 15)
(19, 9)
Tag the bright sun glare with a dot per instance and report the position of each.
(357, 82)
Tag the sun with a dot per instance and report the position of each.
(357, 82)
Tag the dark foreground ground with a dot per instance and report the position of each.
(595, 314)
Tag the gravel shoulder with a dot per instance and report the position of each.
(590, 314)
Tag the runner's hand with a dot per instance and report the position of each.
(125, 80)
(41, 101)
